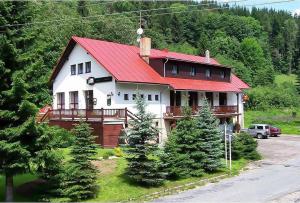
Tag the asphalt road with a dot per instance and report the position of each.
(274, 179)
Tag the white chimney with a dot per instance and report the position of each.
(145, 48)
(207, 56)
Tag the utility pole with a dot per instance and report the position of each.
(230, 153)
(225, 140)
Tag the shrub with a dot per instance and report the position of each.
(118, 152)
(108, 154)
(244, 146)
(62, 138)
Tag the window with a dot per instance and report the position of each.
(89, 99)
(175, 70)
(73, 69)
(208, 73)
(88, 67)
(133, 96)
(74, 100)
(149, 97)
(108, 100)
(60, 100)
(126, 97)
(193, 71)
(80, 68)
(222, 74)
(156, 97)
(252, 127)
(260, 127)
(142, 96)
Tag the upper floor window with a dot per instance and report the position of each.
(61, 100)
(80, 68)
(208, 73)
(149, 97)
(73, 69)
(133, 96)
(88, 67)
(142, 96)
(126, 97)
(74, 100)
(193, 71)
(156, 97)
(175, 70)
(222, 74)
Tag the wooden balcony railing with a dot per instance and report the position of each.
(177, 111)
(95, 114)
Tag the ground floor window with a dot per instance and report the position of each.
(89, 99)
(61, 100)
(74, 100)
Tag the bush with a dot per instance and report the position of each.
(62, 138)
(108, 154)
(244, 146)
(118, 152)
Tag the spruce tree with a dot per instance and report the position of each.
(19, 135)
(210, 136)
(81, 176)
(182, 156)
(143, 166)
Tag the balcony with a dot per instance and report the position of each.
(177, 111)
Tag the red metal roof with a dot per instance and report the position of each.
(124, 63)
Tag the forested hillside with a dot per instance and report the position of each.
(258, 44)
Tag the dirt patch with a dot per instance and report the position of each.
(105, 167)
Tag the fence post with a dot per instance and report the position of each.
(59, 114)
(125, 115)
(102, 115)
(86, 114)
(72, 114)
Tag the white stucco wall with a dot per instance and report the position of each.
(65, 82)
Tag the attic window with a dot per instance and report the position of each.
(208, 73)
(193, 71)
(88, 67)
(80, 68)
(222, 74)
(175, 70)
(73, 69)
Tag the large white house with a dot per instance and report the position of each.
(98, 80)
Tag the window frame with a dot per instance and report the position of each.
(126, 97)
(175, 70)
(208, 73)
(156, 97)
(222, 74)
(80, 68)
(149, 97)
(193, 71)
(73, 100)
(73, 69)
(61, 100)
(86, 67)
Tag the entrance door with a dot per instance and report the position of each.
(175, 98)
(209, 98)
(89, 97)
(193, 99)
(223, 99)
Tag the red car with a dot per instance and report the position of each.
(275, 131)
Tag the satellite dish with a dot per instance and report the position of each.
(139, 31)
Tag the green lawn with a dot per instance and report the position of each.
(281, 118)
(113, 185)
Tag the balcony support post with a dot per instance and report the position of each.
(238, 107)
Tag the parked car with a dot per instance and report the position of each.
(274, 131)
(259, 131)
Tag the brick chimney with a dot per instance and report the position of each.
(145, 48)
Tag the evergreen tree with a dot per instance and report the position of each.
(81, 176)
(210, 136)
(19, 135)
(143, 166)
(182, 156)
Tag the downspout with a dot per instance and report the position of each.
(165, 67)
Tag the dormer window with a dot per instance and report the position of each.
(208, 73)
(222, 74)
(73, 69)
(175, 70)
(193, 71)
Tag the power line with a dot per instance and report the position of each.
(156, 14)
(109, 14)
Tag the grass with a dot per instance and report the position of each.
(113, 185)
(281, 118)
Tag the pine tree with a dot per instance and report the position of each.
(143, 166)
(81, 175)
(181, 153)
(210, 136)
(19, 135)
